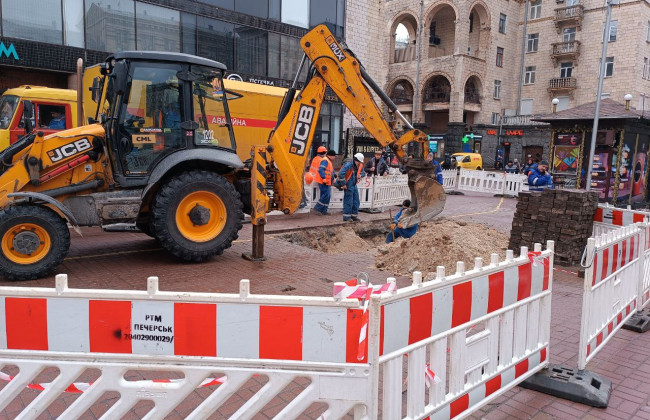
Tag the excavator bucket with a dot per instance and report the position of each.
(427, 195)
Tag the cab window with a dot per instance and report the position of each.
(8, 105)
(210, 109)
(51, 116)
(467, 159)
(150, 120)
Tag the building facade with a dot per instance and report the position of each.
(467, 77)
(258, 40)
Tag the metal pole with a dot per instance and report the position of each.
(603, 58)
(417, 66)
(523, 59)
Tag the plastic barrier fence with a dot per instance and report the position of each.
(611, 286)
(479, 332)
(232, 338)
(374, 192)
(470, 336)
(484, 181)
(644, 283)
(609, 218)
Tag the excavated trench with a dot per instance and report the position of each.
(441, 242)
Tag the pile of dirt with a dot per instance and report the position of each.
(357, 237)
(441, 242)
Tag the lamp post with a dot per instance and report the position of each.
(555, 101)
(627, 98)
(601, 76)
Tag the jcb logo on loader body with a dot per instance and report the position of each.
(303, 127)
(69, 149)
(336, 49)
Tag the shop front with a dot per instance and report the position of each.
(619, 170)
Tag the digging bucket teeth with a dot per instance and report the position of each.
(427, 195)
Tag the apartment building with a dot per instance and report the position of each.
(467, 78)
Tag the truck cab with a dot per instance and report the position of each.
(54, 110)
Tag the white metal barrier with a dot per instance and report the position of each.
(611, 286)
(449, 178)
(185, 341)
(473, 335)
(643, 296)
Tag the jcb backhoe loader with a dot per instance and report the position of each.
(162, 154)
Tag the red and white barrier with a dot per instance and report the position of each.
(609, 218)
(611, 286)
(485, 330)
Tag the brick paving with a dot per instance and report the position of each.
(125, 260)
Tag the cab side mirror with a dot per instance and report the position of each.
(96, 89)
(28, 116)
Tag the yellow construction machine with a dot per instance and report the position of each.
(160, 152)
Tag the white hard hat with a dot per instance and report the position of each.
(359, 157)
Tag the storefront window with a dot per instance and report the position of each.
(215, 40)
(73, 16)
(295, 12)
(259, 8)
(158, 28)
(291, 56)
(188, 33)
(110, 25)
(274, 55)
(323, 11)
(251, 50)
(328, 132)
(36, 20)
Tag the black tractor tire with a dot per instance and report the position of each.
(172, 194)
(146, 228)
(48, 223)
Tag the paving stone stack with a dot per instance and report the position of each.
(563, 216)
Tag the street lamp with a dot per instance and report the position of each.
(599, 94)
(555, 101)
(627, 98)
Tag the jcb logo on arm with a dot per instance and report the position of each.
(303, 127)
(69, 149)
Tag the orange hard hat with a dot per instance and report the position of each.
(321, 149)
(309, 178)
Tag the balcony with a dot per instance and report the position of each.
(562, 84)
(436, 96)
(569, 50)
(520, 120)
(570, 16)
(405, 53)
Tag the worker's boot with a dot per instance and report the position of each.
(355, 219)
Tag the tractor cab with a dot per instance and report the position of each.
(156, 104)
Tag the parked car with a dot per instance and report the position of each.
(468, 160)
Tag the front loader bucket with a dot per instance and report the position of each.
(427, 195)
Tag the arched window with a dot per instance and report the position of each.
(402, 93)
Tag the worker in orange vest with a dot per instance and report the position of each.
(322, 169)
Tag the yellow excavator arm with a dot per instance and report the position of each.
(289, 144)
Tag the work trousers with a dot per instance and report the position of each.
(324, 200)
(350, 202)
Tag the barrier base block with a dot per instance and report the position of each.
(454, 192)
(581, 386)
(371, 210)
(639, 322)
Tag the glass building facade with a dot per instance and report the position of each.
(256, 39)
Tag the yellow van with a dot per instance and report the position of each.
(468, 160)
(54, 110)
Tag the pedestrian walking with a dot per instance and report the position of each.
(350, 174)
(396, 230)
(323, 177)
